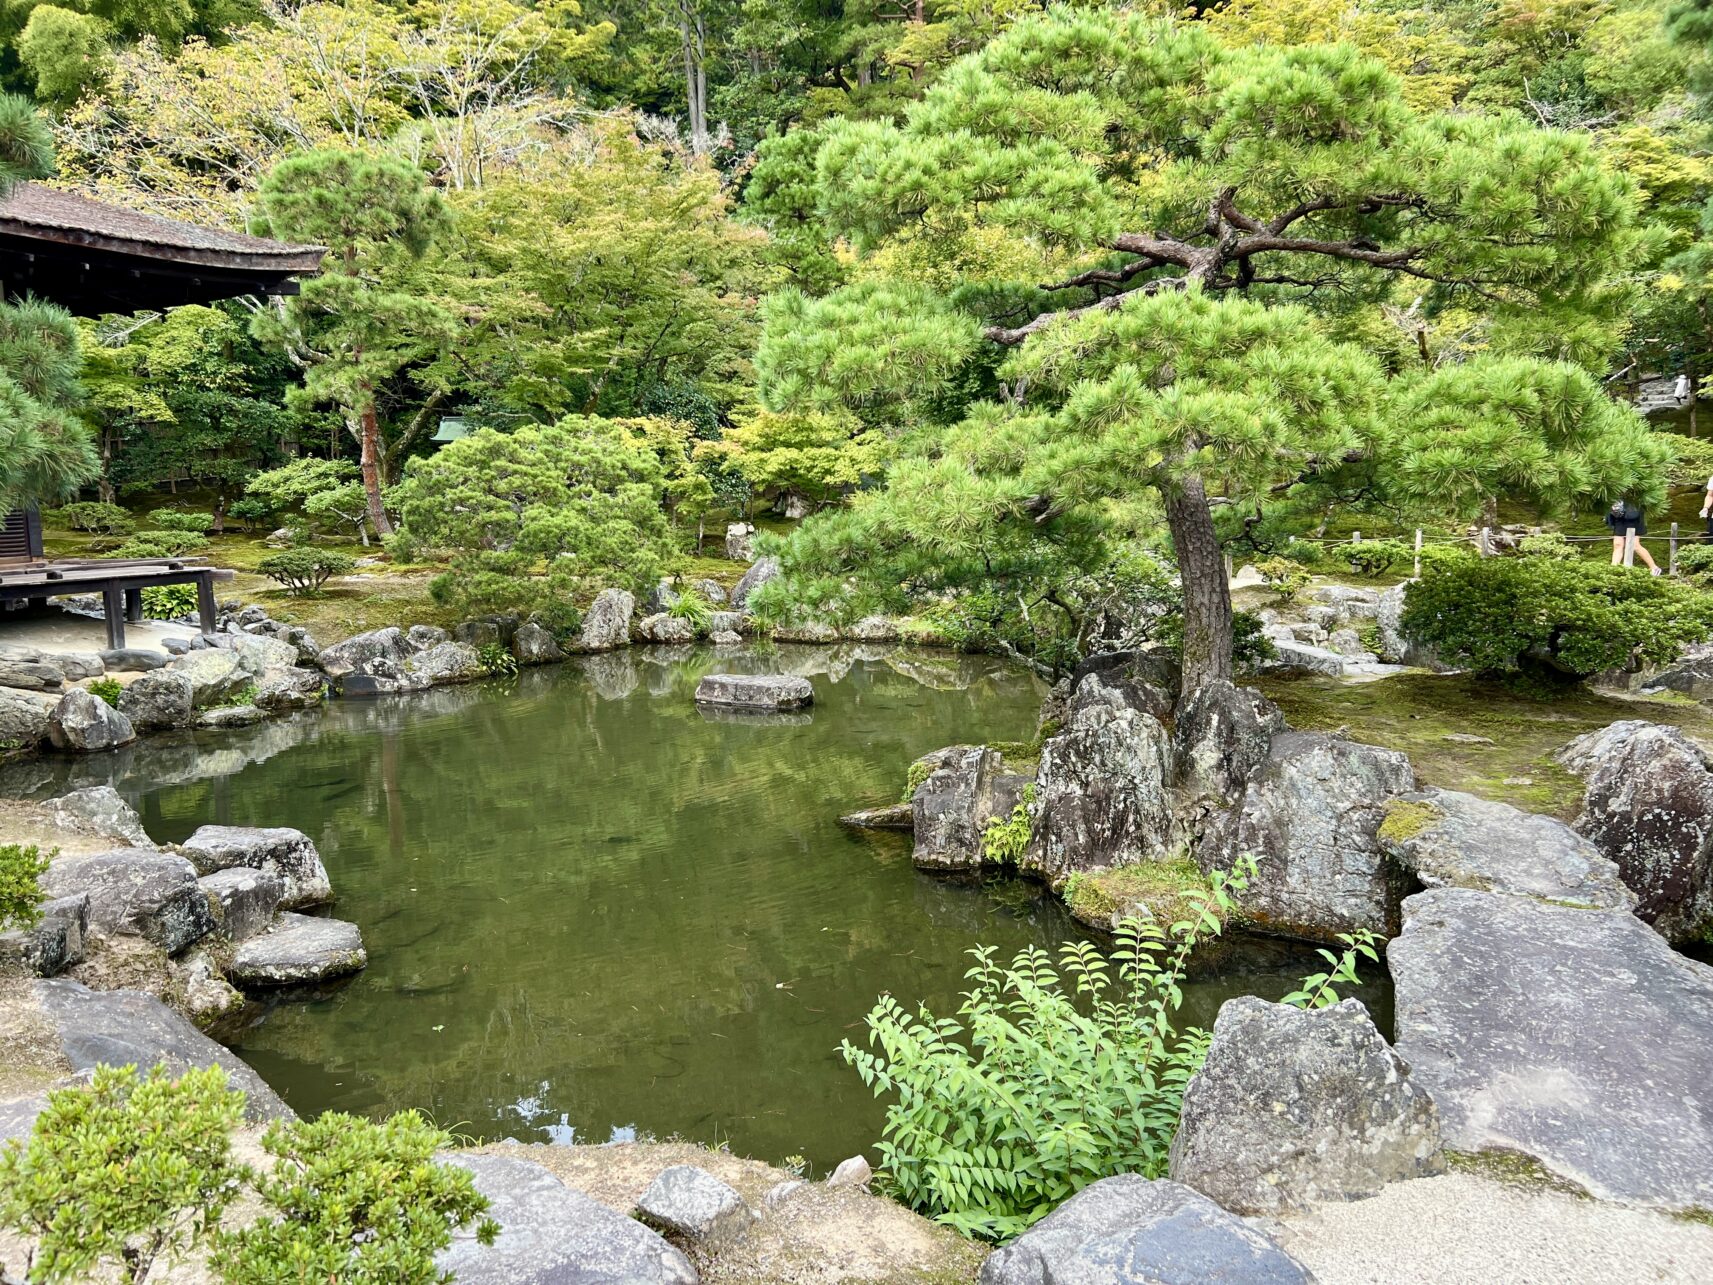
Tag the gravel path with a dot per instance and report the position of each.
(1462, 1228)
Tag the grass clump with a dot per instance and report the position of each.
(1165, 891)
(107, 689)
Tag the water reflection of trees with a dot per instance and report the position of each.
(574, 878)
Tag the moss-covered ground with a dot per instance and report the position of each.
(1418, 713)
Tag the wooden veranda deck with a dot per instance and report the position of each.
(119, 581)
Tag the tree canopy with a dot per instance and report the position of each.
(1116, 256)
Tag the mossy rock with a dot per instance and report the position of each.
(1405, 819)
(1160, 891)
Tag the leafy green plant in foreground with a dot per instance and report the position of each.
(108, 689)
(135, 1168)
(119, 1173)
(353, 1201)
(21, 870)
(1051, 1076)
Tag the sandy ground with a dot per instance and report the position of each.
(1461, 1229)
(62, 631)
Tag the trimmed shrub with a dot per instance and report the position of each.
(304, 571)
(1284, 577)
(21, 870)
(96, 516)
(1506, 615)
(181, 520)
(1373, 558)
(161, 544)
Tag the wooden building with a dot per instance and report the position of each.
(91, 257)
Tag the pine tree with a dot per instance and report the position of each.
(46, 452)
(360, 322)
(1112, 257)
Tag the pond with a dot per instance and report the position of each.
(592, 911)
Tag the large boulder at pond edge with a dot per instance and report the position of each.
(297, 949)
(1296, 1107)
(215, 675)
(1648, 806)
(1131, 1230)
(1577, 1038)
(760, 572)
(1452, 840)
(23, 721)
(964, 787)
(447, 662)
(1101, 792)
(606, 624)
(85, 723)
(152, 895)
(692, 1204)
(280, 690)
(356, 654)
(159, 699)
(662, 628)
(99, 809)
(288, 853)
(552, 1235)
(244, 900)
(1309, 817)
(1219, 739)
(533, 645)
(120, 1027)
(767, 692)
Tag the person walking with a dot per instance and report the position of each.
(1707, 510)
(1628, 525)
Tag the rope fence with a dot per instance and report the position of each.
(1483, 540)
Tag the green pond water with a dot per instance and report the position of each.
(593, 912)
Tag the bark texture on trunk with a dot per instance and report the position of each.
(1207, 593)
(371, 465)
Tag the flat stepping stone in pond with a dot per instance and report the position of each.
(288, 853)
(755, 691)
(690, 1202)
(1577, 1038)
(894, 816)
(297, 949)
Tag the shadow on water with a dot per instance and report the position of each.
(591, 911)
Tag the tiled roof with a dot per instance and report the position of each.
(64, 217)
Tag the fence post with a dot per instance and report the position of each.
(1485, 544)
(1629, 546)
(1674, 548)
(1356, 537)
(1228, 571)
(1418, 553)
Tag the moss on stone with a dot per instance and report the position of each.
(1405, 819)
(1514, 1169)
(1160, 889)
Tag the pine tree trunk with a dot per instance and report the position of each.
(1207, 593)
(371, 465)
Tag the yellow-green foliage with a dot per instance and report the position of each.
(1166, 891)
(1005, 839)
(1405, 820)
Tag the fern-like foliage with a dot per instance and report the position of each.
(1054, 1074)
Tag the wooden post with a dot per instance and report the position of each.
(1673, 567)
(113, 608)
(1418, 553)
(205, 610)
(133, 606)
(1356, 537)
(1484, 544)
(1629, 546)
